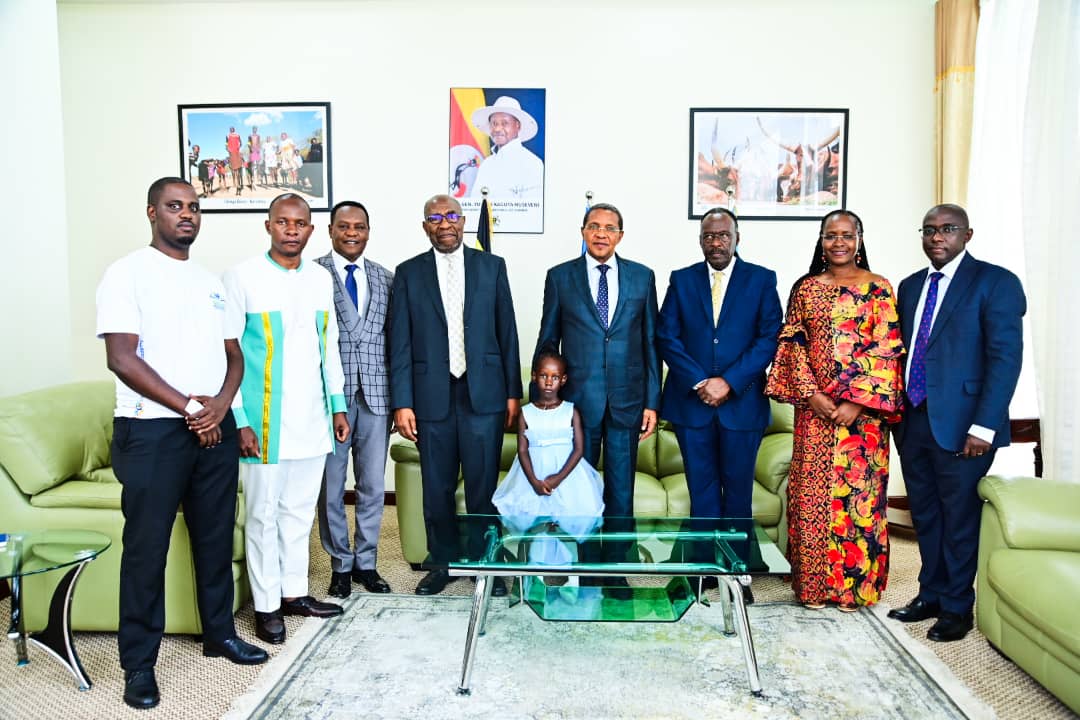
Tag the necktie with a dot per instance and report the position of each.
(917, 377)
(717, 294)
(455, 312)
(350, 285)
(602, 295)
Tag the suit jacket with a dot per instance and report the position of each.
(973, 356)
(618, 368)
(420, 350)
(738, 348)
(362, 336)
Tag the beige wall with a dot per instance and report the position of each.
(620, 78)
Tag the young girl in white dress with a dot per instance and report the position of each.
(549, 482)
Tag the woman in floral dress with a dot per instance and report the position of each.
(839, 363)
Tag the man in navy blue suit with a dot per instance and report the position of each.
(961, 322)
(601, 310)
(717, 333)
(455, 375)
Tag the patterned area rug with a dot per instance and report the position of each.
(399, 656)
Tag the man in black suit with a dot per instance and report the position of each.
(961, 322)
(455, 375)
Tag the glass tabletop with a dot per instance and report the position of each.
(26, 553)
(623, 546)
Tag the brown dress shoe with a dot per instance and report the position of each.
(308, 606)
(269, 627)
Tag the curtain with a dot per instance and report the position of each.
(956, 22)
(1050, 179)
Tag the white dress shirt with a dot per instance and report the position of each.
(948, 272)
(591, 264)
(359, 274)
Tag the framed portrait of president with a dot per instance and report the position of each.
(497, 146)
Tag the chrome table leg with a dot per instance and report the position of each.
(476, 620)
(743, 624)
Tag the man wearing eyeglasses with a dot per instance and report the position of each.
(600, 309)
(961, 323)
(455, 376)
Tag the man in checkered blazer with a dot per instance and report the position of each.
(362, 300)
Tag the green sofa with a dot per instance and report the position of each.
(659, 488)
(1029, 578)
(55, 473)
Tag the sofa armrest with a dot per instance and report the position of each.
(1035, 513)
(404, 451)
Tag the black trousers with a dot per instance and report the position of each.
(473, 442)
(945, 509)
(161, 467)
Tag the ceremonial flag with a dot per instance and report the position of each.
(587, 207)
(483, 228)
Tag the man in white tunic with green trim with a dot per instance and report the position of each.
(290, 407)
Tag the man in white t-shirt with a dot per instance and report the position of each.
(174, 441)
(290, 409)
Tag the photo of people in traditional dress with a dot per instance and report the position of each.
(241, 157)
(497, 144)
(767, 163)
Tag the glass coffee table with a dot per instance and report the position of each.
(575, 570)
(28, 553)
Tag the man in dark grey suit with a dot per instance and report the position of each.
(455, 375)
(362, 301)
(601, 310)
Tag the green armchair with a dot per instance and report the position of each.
(659, 488)
(55, 473)
(1029, 578)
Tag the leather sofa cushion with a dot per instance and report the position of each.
(80, 494)
(650, 497)
(1035, 513)
(773, 461)
(1041, 587)
(100, 475)
(38, 451)
(782, 418)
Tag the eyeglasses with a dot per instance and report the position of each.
(928, 231)
(609, 229)
(723, 236)
(833, 237)
(451, 217)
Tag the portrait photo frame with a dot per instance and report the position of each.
(509, 161)
(768, 163)
(240, 156)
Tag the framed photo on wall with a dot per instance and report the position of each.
(768, 163)
(497, 144)
(240, 156)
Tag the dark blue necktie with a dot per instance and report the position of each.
(917, 377)
(602, 295)
(350, 285)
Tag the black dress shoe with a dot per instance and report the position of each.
(340, 585)
(140, 689)
(307, 606)
(371, 580)
(269, 627)
(950, 627)
(235, 650)
(915, 611)
(747, 595)
(433, 583)
(710, 582)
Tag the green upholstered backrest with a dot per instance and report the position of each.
(48, 436)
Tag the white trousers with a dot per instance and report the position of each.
(280, 504)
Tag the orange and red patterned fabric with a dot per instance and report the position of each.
(843, 341)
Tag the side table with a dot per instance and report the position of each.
(27, 553)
